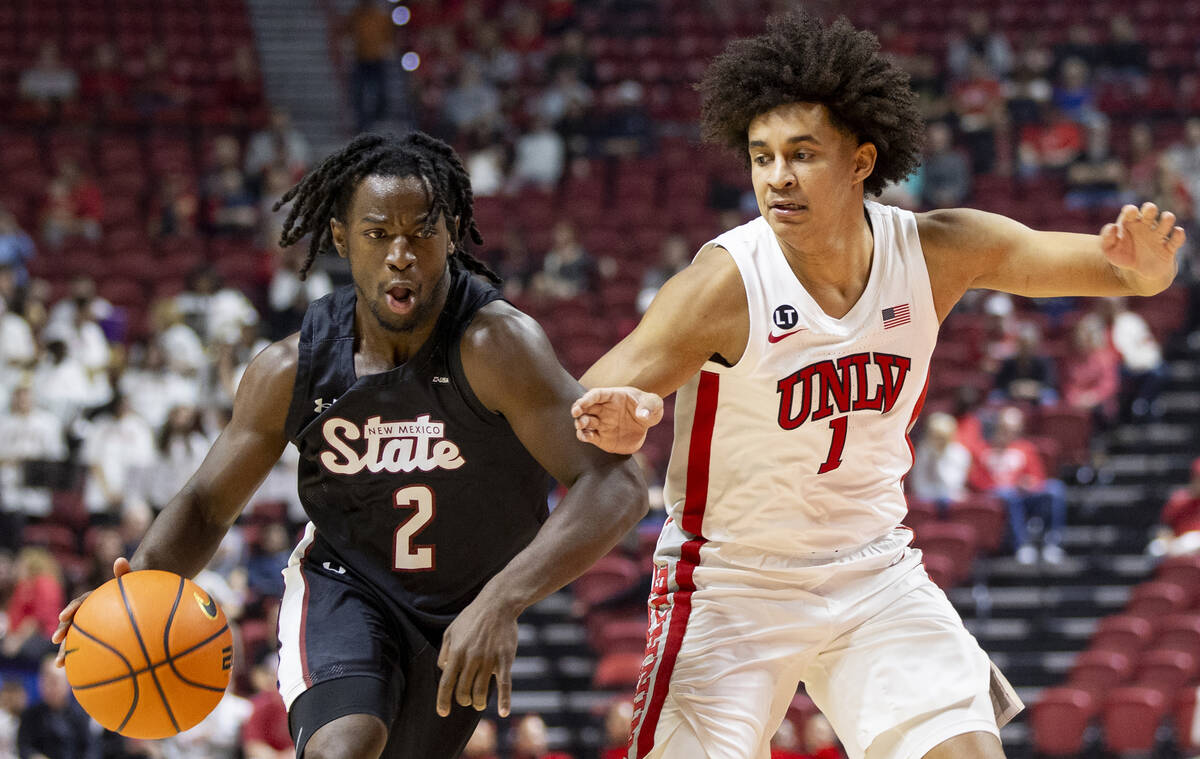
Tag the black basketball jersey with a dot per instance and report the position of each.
(408, 479)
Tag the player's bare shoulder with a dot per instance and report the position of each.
(705, 305)
(501, 346)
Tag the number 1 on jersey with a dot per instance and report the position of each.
(834, 459)
(408, 557)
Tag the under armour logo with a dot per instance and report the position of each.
(320, 405)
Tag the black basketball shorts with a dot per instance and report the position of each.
(346, 648)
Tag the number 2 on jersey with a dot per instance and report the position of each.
(834, 459)
(407, 557)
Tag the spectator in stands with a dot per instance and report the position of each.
(103, 545)
(617, 719)
(939, 474)
(27, 434)
(1092, 379)
(568, 268)
(1028, 375)
(526, 38)
(539, 158)
(265, 566)
(12, 702)
(49, 82)
(288, 296)
(105, 85)
(33, 608)
(626, 129)
(158, 89)
(265, 734)
(81, 293)
(281, 145)
(218, 736)
(820, 742)
(230, 208)
(473, 101)
(482, 743)
(946, 174)
(1096, 178)
(373, 35)
(1079, 45)
(1180, 519)
(978, 99)
(239, 85)
(1124, 58)
(785, 744)
(1049, 146)
(1000, 331)
(1143, 372)
(153, 387)
(1028, 87)
(17, 347)
(675, 254)
(485, 156)
(216, 312)
(84, 338)
(1142, 174)
(118, 451)
(530, 740)
(180, 447)
(572, 54)
(62, 218)
(1011, 469)
(980, 41)
(499, 64)
(566, 93)
(64, 386)
(16, 246)
(55, 727)
(175, 208)
(1074, 94)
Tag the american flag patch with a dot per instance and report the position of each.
(896, 316)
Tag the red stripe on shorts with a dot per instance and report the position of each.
(304, 618)
(689, 557)
(699, 453)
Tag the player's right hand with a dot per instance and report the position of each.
(120, 567)
(616, 419)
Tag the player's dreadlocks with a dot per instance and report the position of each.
(800, 59)
(325, 192)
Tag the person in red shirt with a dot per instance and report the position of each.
(33, 607)
(1092, 372)
(1181, 518)
(1011, 469)
(265, 734)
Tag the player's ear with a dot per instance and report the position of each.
(338, 231)
(864, 161)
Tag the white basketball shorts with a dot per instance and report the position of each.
(877, 645)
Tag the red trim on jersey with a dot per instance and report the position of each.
(689, 557)
(912, 452)
(304, 672)
(700, 453)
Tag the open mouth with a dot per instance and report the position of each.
(400, 300)
(788, 207)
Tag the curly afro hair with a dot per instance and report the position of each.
(801, 59)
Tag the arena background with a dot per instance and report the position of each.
(143, 142)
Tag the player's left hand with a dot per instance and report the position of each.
(1142, 244)
(480, 643)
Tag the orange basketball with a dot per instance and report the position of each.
(149, 654)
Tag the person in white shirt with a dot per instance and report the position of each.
(153, 388)
(118, 451)
(27, 433)
(17, 350)
(64, 387)
(942, 463)
(181, 446)
(1143, 372)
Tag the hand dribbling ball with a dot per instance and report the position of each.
(149, 654)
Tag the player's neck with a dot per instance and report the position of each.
(833, 257)
(378, 349)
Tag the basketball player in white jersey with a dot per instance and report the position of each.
(799, 345)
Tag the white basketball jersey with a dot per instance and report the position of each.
(800, 447)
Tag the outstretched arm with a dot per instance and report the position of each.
(965, 248)
(699, 312)
(512, 370)
(183, 538)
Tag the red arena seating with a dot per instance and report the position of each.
(618, 671)
(1158, 598)
(1098, 670)
(1130, 718)
(1058, 721)
(1123, 633)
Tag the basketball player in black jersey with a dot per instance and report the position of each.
(427, 412)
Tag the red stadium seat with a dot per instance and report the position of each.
(1179, 632)
(1130, 718)
(1183, 570)
(920, 513)
(622, 634)
(1096, 671)
(1059, 719)
(987, 516)
(618, 671)
(608, 577)
(941, 569)
(1158, 598)
(1187, 721)
(1167, 671)
(952, 539)
(1123, 633)
(53, 536)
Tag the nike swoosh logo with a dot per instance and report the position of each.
(773, 338)
(209, 607)
(70, 651)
